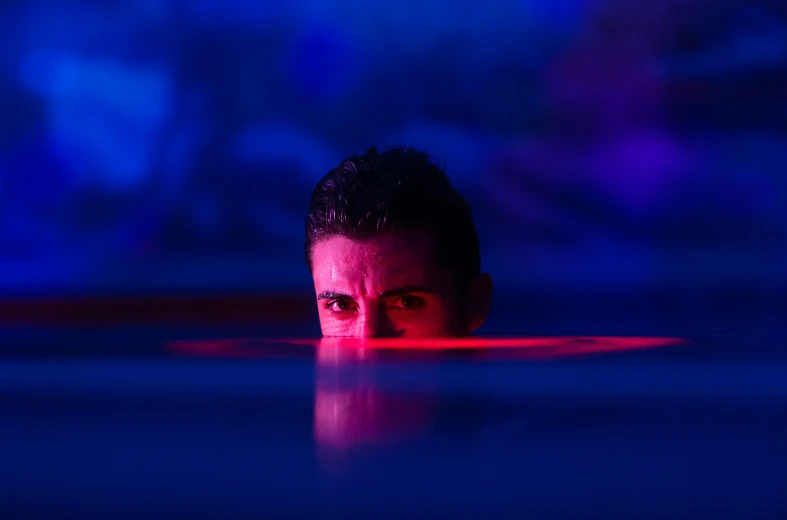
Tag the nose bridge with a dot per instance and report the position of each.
(371, 321)
(375, 323)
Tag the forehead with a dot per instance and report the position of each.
(380, 262)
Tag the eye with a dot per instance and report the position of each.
(340, 306)
(409, 303)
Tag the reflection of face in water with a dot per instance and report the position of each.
(354, 407)
(350, 411)
(353, 410)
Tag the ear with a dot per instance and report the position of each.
(478, 301)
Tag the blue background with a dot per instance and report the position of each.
(170, 146)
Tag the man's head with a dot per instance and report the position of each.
(393, 250)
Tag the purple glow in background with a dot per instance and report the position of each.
(172, 145)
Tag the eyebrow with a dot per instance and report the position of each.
(399, 291)
(332, 295)
(407, 289)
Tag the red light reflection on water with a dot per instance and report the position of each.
(352, 413)
(351, 410)
(532, 347)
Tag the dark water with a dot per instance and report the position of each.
(114, 423)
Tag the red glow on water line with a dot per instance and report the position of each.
(485, 343)
(355, 412)
(339, 349)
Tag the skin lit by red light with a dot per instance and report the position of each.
(386, 286)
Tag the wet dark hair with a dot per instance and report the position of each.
(398, 189)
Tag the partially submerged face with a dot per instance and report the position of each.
(389, 285)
